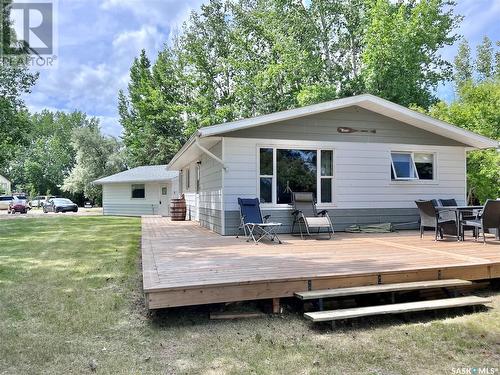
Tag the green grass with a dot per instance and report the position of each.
(70, 296)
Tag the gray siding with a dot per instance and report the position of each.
(323, 127)
(341, 218)
(205, 205)
(211, 219)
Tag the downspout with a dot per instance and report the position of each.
(219, 160)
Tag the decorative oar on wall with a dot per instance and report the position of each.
(346, 130)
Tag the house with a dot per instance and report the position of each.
(5, 186)
(144, 190)
(365, 158)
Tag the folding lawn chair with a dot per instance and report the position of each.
(254, 224)
(305, 214)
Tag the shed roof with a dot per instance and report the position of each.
(146, 173)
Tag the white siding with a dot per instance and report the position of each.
(117, 199)
(361, 172)
(205, 205)
(5, 184)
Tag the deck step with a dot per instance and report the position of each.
(381, 288)
(326, 316)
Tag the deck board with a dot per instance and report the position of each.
(182, 256)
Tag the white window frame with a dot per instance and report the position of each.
(320, 177)
(412, 157)
(318, 173)
(131, 191)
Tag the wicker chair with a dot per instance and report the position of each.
(488, 219)
(430, 218)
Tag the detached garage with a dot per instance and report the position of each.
(145, 190)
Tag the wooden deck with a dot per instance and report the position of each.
(184, 264)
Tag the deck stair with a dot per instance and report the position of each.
(393, 308)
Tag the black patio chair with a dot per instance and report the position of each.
(430, 218)
(254, 224)
(489, 218)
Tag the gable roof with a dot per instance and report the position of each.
(367, 101)
(146, 173)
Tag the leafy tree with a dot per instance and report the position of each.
(400, 58)
(497, 60)
(462, 64)
(476, 109)
(96, 156)
(240, 58)
(151, 113)
(484, 59)
(15, 80)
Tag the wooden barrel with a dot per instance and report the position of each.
(178, 209)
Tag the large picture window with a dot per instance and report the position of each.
(138, 191)
(283, 171)
(412, 166)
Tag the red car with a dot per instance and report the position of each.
(18, 205)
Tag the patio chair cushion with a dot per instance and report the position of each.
(317, 222)
(448, 202)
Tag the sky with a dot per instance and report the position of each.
(98, 40)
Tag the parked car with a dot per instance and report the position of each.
(40, 200)
(59, 205)
(19, 205)
(5, 201)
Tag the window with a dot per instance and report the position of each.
(424, 163)
(138, 191)
(266, 175)
(164, 190)
(412, 166)
(198, 174)
(326, 179)
(296, 171)
(283, 171)
(188, 178)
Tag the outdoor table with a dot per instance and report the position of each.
(459, 210)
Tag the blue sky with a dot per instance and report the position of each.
(99, 39)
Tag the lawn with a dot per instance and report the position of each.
(70, 302)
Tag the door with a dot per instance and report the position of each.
(164, 207)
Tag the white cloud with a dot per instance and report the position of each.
(98, 41)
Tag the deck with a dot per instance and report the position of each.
(184, 264)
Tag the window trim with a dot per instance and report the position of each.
(132, 190)
(318, 150)
(415, 180)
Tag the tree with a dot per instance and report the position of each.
(151, 113)
(15, 80)
(400, 57)
(240, 58)
(484, 59)
(497, 60)
(96, 156)
(462, 64)
(476, 109)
